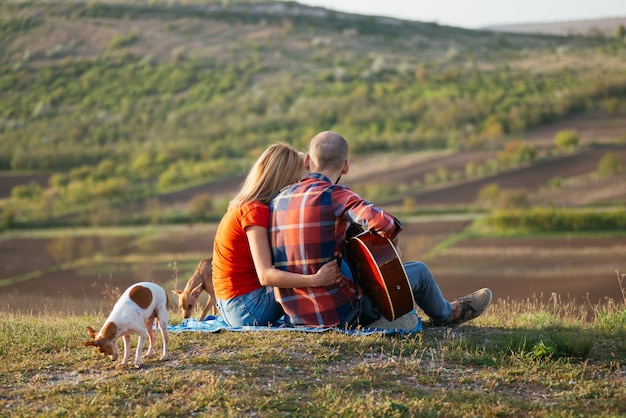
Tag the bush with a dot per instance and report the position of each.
(200, 206)
(121, 41)
(566, 139)
(8, 215)
(610, 165)
(512, 199)
(31, 191)
(550, 219)
(488, 195)
(517, 152)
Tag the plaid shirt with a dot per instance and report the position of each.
(307, 229)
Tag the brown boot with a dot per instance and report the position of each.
(469, 307)
(407, 322)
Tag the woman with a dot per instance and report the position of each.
(243, 275)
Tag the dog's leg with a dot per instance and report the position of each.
(150, 332)
(140, 344)
(210, 305)
(126, 339)
(213, 304)
(162, 320)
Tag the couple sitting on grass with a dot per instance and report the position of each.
(276, 250)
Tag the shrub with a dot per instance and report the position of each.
(488, 195)
(555, 182)
(512, 199)
(8, 215)
(610, 164)
(121, 41)
(471, 169)
(566, 139)
(620, 32)
(200, 206)
(59, 181)
(31, 191)
(550, 219)
(517, 152)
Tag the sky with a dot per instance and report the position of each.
(474, 14)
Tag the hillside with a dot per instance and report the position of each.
(591, 27)
(110, 102)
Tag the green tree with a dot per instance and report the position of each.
(59, 181)
(517, 152)
(8, 215)
(488, 195)
(470, 169)
(63, 249)
(612, 105)
(494, 128)
(200, 206)
(610, 164)
(81, 173)
(142, 165)
(620, 32)
(566, 139)
(512, 199)
(31, 191)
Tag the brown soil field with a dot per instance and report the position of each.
(574, 268)
(579, 269)
(9, 180)
(82, 272)
(531, 179)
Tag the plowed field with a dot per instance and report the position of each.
(578, 269)
(84, 271)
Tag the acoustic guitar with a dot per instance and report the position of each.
(376, 264)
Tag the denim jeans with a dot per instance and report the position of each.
(426, 293)
(258, 307)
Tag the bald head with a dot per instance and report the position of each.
(328, 151)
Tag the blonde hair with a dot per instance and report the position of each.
(278, 166)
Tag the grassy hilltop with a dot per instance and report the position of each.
(531, 359)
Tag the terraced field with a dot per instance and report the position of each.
(82, 269)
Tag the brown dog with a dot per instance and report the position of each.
(200, 280)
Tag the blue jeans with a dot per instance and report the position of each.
(426, 293)
(258, 307)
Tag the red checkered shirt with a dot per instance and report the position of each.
(307, 229)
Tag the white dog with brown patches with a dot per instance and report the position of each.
(133, 313)
(201, 280)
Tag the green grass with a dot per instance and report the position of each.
(524, 359)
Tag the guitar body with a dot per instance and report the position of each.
(380, 272)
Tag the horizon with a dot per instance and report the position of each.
(480, 13)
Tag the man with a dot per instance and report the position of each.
(308, 228)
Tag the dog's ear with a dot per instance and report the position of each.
(177, 292)
(94, 343)
(92, 332)
(197, 290)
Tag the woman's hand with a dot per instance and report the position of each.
(327, 275)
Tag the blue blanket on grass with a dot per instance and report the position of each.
(216, 323)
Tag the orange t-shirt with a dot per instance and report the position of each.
(233, 269)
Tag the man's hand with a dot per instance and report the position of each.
(327, 275)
